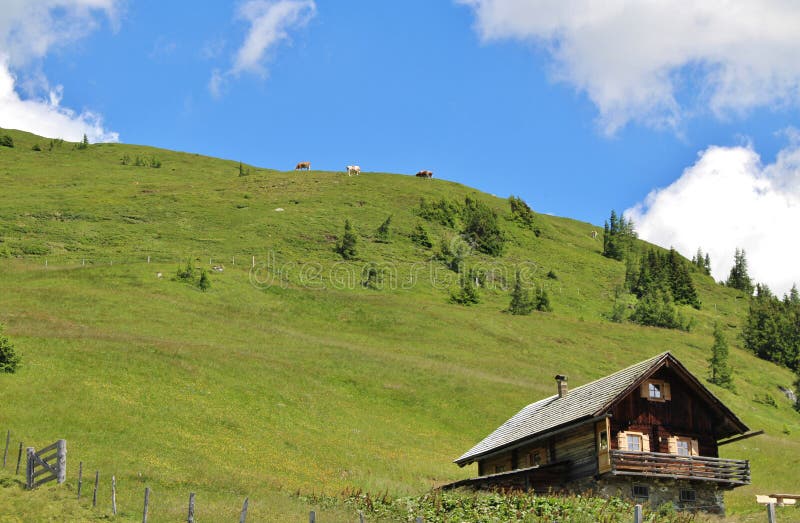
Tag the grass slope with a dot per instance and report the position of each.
(313, 383)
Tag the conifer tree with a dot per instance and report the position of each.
(420, 236)
(383, 233)
(542, 301)
(738, 277)
(347, 247)
(9, 359)
(204, 283)
(467, 293)
(719, 367)
(521, 303)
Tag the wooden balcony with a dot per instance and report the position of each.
(732, 472)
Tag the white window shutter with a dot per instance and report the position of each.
(645, 443)
(695, 449)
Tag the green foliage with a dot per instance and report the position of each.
(542, 301)
(243, 171)
(125, 160)
(347, 247)
(797, 392)
(83, 144)
(523, 214)
(655, 309)
(772, 328)
(383, 233)
(467, 292)
(766, 399)
(36, 147)
(453, 251)
(720, 369)
(54, 143)
(155, 163)
(521, 301)
(481, 227)
(372, 277)
(667, 273)
(187, 273)
(6, 141)
(204, 283)
(703, 263)
(9, 359)
(443, 211)
(738, 277)
(551, 274)
(420, 236)
(619, 236)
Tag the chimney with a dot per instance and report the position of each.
(562, 385)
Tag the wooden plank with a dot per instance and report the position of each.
(80, 478)
(190, 517)
(114, 495)
(19, 457)
(8, 442)
(243, 515)
(61, 463)
(29, 468)
(146, 504)
(48, 448)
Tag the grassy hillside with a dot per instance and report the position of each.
(293, 376)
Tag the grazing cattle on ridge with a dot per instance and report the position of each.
(425, 174)
(353, 169)
(303, 166)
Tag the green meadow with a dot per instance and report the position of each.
(290, 381)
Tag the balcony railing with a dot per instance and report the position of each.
(656, 464)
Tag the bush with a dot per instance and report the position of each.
(36, 147)
(155, 163)
(9, 359)
(445, 212)
(522, 213)
(347, 247)
(420, 236)
(125, 160)
(6, 141)
(467, 293)
(521, 302)
(656, 310)
(204, 283)
(187, 273)
(481, 227)
(552, 275)
(383, 234)
(542, 301)
(453, 251)
(371, 277)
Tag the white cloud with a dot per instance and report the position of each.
(29, 29)
(657, 61)
(729, 199)
(270, 22)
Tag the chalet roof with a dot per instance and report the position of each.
(580, 404)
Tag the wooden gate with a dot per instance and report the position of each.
(48, 464)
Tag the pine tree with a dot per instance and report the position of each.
(721, 373)
(738, 277)
(481, 227)
(467, 293)
(347, 247)
(618, 237)
(521, 303)
(707, 264)
(204, 283)
(542, 301)
(420, 236)
(382, 235)
(9, 359)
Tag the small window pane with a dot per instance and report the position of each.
(655, 390)
(641, 491)
(683, 447)
(634, 443)
(688, 495)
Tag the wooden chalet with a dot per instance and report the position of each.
(650, 433)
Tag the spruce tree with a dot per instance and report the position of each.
(738, 277)
(383, 234)
(707, 264)
(542, 301)
(721, 373)
(420, 236)
(9, 359)
(347, 247)
(521, 303)
(204, 283)
(467, 293)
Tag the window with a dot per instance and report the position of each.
(536, 457)
(684, 447)
(499, 468)
(654, 390)
(602, 441)
(688, 495)
(633, 442)
(641, 491)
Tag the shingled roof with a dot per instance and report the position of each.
(581, 403)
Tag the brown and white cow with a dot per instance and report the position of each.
(303, 166)
(425, 174)
(353, 169)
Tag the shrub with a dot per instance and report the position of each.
(125, 160)
(383, 234)
(542, 301)
(656, 310)
(371, 277)
(187, 273)
(444, 211)
(204, 283)
(9, 359)
(453, 251)
(84, 144)
(466, 293)
(523, 214)
(552, 275)
(6, 141)
(155, 163)
(420, 236)
(521, 302)
(36, 147)
(481, 227)
(347, 247)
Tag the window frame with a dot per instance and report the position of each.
(644, 491)
(688, 495)
(637, 437)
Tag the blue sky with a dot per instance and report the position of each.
(577, 108)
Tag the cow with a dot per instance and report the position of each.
(353, 169)
(303, 166)
(425, 174)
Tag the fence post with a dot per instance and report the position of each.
(190, 517)
(312, 517)
(360, 516)
(771, 512)
(96, 482)
(420, 520)
(114, 495)
(254, 262)
(243, 516)
(80, 478)
(29, 467)
(19, 457)
(146, 504)
(61, 456)
(637, 514)
(5, 454)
